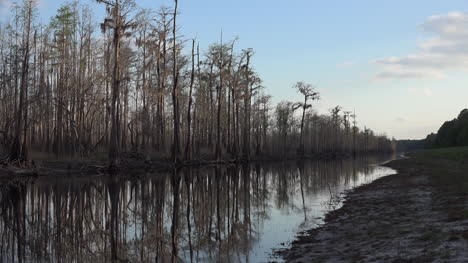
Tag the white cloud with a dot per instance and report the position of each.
(396, 73)
(447, 49)
(449, 25)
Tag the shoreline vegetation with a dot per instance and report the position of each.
(135, 163)
(77, 88)
(450, 134)
(417, 215)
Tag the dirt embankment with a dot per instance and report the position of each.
(405, 217)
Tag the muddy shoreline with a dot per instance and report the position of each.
(397, 218)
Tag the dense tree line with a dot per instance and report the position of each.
(451, 133)
(403, 146)
(79, 87)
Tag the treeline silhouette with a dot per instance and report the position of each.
(451, 133)
(403, 146)
(79, 87)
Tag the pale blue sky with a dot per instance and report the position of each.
(400, 64)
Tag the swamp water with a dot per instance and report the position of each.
(210, 214)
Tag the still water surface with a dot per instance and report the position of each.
(211, 214)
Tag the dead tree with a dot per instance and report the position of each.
(309, 93)
(118, 10)
(175, 93)
(189, 116)
(19, 148)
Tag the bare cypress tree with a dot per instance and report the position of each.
(175, 92)
(354, 131)
(309, 93)
(188, 145)
(219, 91)
(117, 11)
(335, 116)
(19, 149)
(247, 102)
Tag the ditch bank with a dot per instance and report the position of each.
(411, 216)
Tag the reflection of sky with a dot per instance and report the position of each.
(276, 207)
(285, 218)
(283, 224)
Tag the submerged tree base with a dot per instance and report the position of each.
(18, 167)
(134, 163)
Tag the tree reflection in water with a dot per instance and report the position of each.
(213, 214)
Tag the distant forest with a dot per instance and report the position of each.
(76, 87)
(450, 134)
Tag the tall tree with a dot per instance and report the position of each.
(247, 103)
(118, 12)
(309, 93)
(175, 91)
(188, 146)
(19, 148)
